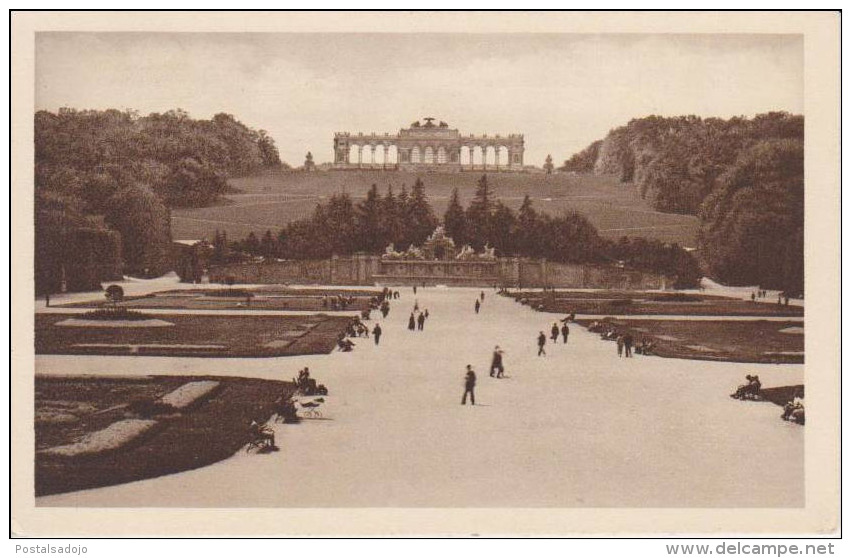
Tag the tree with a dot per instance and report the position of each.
(479, 215)
(309, 165)
(368, 219)
(752, 225)
(528, 239)
(115, 295)
(392, 228)
(145, 227)
(421, 220)
(455, 220)
(268, 245)
(251, 245)
(548, 164)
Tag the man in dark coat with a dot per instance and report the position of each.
(376, 333)
(542, 340)
(627, 345)
(478, 305)
(565, 331)
(420, 321)
(469, 386)
(496, 363)
(412, 323)
(554, 333)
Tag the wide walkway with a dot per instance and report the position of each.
(578, 427)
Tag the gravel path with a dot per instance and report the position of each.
(577, 428)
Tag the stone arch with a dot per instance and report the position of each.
(503, 156)
(442, 156)
(415, 155)
(478, 155)
(466, 155)
(368, 151)
(391, 155)
(353, 153)
(380, 154)
(428, 156)
(490, 156)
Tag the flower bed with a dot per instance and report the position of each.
(119, 313)
(187, 394)
(112, 437)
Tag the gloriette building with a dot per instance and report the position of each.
(428, 146)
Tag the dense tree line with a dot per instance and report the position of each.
(583, 161)
(742, 177)
(752, 224)
(677, 162)
(342, 227)
(116, 171)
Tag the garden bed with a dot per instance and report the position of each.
(759, 341)
(75, 412)
(633, 303)
(256, 298)
(195, 335)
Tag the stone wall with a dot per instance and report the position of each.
(372, 270)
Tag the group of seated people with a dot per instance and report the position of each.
(345, 344)
(307, 385)
(750, 390)
(793, 411)
(337, 302)
(356, 328)
(606, 330)
(262, 433)
(644, 347)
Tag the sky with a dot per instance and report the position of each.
(563, 91)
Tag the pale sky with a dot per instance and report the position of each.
(561, 91)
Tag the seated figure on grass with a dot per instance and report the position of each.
(794, 410)
(750, 390)
(345, 345)
(261, 432)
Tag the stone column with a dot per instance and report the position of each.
(360, 155)
(496, 156)
(372, 154)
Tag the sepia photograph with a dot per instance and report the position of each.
(284, 261)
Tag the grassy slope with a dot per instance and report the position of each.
(270, 200)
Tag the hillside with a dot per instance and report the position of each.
(267, 201)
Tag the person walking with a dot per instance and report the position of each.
(412, 323)
(477, 306)
(565, 331)
(542, 341)
(627, 345)
(554, 333)
(469, 386)
(416, 305)
(496, 363)
(415, 289)
(376, 333)
(420, 321)
(482, 295)
(619, 342)
(426, 313)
